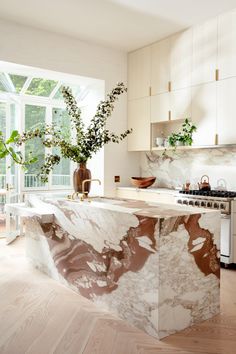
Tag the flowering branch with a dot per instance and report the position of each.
(88, 141)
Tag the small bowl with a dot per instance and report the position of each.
(142, 182)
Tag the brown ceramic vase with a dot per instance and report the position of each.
(80, 174)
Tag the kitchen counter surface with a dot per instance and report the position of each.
(154, 265)
(150, 189)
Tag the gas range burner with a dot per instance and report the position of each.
(211, 193)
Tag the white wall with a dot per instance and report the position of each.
(28, 46)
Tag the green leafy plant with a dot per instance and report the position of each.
(184, 136)
(86, 141)
(8, 148)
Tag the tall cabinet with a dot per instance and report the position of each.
(181, 59)
(171, 77)
(227, 45)
(191, 74)
(226, 111)
(204, 59)
(139, 99)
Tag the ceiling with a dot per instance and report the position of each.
(120, 24)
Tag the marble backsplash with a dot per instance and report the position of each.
(173, 169)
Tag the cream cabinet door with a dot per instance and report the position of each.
(139, 121)
(226, 111)
(160, 107)
(181, 59)
(160, 66)
(204, 52)
(204, 113)
(139, 66)
(180, 104)
(227, 45)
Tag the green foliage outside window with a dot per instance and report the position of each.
(18, 81)
(41, 87)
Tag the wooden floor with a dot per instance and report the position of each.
(39, 316)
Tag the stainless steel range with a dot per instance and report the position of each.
(219, 200)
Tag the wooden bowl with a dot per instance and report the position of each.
(142, 182)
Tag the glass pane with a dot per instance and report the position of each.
(61, 172)
(2, 86)
(2, 166)
(13, 126)
(34, 117)
(75, 90)
(18, 81)
(41, 87)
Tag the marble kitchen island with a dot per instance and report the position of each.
(155, 265)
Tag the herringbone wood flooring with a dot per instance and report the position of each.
(39, 316)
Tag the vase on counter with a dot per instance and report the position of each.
(80, 174)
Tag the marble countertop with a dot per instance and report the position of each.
(130, 206)
(155, 265)
(150, 189)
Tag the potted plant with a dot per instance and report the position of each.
(184, 136)
(86, 141)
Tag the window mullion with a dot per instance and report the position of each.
(21, 129)
(26, 85)
(56, 88)
(48, 151)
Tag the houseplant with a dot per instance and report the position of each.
(86, 141)
(8, 147)
(184, 136)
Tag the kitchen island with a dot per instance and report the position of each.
(155, 265)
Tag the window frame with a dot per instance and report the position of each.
(21, 100)
(48, 120)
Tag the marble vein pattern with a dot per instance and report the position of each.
(174, 168)
(156, 266)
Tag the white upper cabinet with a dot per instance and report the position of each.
(139, 73)
(204, 113)
(171, 106)
(139, 121)
(160, 107)
(160, 66)
(204, 59)
(181, 59)
(180, 104)
(226, 111)
(227, 45)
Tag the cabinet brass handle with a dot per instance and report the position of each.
(217, 75)
(169, 115)
(216, 139)
(169, 86)
(150, 91)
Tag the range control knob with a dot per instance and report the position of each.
(197, 203)
(216, 205)
(209, 204)
(203, 204)
(190, 202)
(222, 206)
(185, 202)
(179, 201)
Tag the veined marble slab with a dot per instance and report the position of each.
(156, 266)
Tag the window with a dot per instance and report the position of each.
(27, 101)
(3, 129)
(61, 173)
(34, 117)
(76, 90)
(18, 81)
(41, 87)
